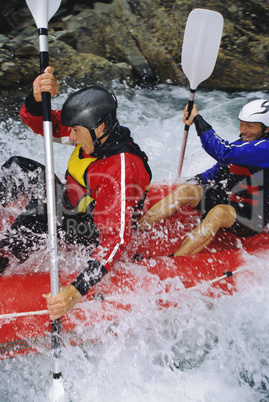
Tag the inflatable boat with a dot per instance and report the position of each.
(145, 270)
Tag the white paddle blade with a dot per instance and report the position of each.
(201, 45)
(57, 393)
(43, 10)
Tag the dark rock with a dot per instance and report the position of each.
(135, 41)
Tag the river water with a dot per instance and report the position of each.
(206, 350)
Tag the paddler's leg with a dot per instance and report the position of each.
(221, 216)
(184, 195)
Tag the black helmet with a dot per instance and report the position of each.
(89, 108)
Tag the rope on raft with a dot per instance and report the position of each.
(100, 297)
(23, 314)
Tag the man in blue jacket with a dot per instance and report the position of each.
(234, 193)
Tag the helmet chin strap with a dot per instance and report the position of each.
(97, 141)
(93, 135)
(265, 134)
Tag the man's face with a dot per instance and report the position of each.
(251, 131)
(81, 136)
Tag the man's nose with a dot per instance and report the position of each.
(72, 136)
(243, 128)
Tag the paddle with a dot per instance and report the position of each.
(42, 11)
(200, 49)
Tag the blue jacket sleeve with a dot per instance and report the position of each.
(253, 153)
(210, 174)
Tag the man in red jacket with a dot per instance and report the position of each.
(106, 183)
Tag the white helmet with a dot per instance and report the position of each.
(256, 111)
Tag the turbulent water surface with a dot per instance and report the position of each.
(204, 350)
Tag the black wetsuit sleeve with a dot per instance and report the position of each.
(199, 178)
(33, 107)
(89, 276)
(201, 125)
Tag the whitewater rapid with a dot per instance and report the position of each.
(204, 350)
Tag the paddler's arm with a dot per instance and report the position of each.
(45, 82)
(69, 295)
(31, 112)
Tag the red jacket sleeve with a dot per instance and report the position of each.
(36, 123)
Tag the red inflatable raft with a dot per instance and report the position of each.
(145, 267)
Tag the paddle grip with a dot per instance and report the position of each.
(43, 48)
(46, 98)
(46, 106)
(56, 343)
(186, 131)
(56, 339)
(44, 62)
(190, 106)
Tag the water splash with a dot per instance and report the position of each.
(202, 350)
